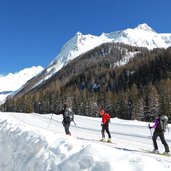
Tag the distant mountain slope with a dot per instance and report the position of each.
(13, 81)
(141, 36)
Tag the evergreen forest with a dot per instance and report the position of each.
(137, 88)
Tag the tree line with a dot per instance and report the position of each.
(136, 90)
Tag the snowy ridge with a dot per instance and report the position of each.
(14, 81)
(28, 144)
(141, 36)
(78, 45)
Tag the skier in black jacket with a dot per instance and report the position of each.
(67, 118)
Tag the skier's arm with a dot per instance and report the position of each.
(155, 124)
(60, 112)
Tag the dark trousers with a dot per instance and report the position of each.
(160, 134)
(66, 127)
(105, 127)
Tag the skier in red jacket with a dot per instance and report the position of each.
(105, 126)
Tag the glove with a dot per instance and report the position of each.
(149, 126)
(102, 124)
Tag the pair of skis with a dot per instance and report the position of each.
(152, 152)
(106, 142)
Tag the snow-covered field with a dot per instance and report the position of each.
(29, 142)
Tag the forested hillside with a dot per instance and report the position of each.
(103, 77)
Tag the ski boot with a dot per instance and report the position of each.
(109, 140)
(166, 153)
(102, 140)
(155, 151)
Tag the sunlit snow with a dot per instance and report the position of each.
(30, 142)
(13, 81)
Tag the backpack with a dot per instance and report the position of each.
(108, 117)
(68, 115)
(163, 123)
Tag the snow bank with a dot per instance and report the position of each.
(27, 148)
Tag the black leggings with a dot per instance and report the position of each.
(105, 127)
(66, 127)
(162, 138)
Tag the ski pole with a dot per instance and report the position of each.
(167, 127)
(151, 134)
(50, 120)
(150, 130)
(74, 123)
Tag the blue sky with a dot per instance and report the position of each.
(32, 32)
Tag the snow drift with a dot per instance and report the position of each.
(26, 143)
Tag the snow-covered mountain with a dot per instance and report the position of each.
(141, 36)
(13, 81)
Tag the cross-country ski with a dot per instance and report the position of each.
(157, 153)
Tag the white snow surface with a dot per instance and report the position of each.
(30, 142)
(13, 81)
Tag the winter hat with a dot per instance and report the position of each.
(159, 114)
(65, 105)
(102, 112)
